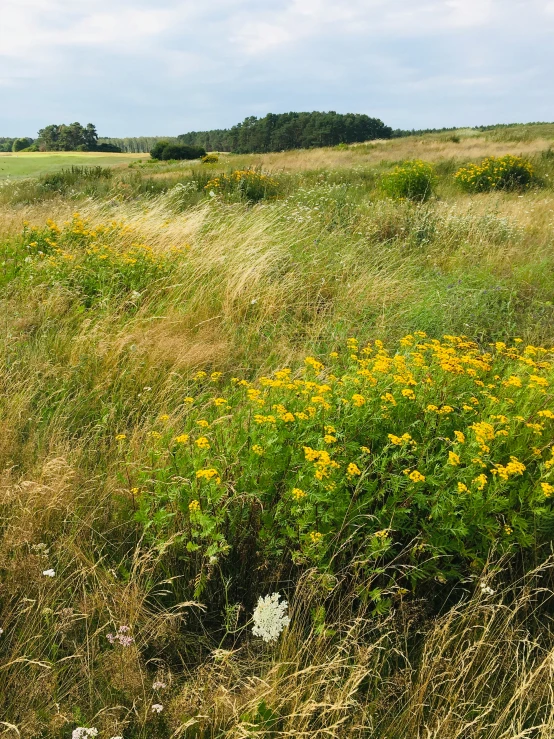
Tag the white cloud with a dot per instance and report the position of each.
(223, 59)
(300, 19)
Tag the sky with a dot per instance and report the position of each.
(164, 67)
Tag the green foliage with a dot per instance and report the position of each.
(496, 173)
(167, 150)
(413, 180)
(210, 159)
(20, 144)
(109, 148)
(182, 151)
(431, 453)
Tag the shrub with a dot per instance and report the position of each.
(182, 152)
(496, 173)
(210, 159)
(109, 148)
(413, 180)
(157, 150)
(21, 144)
(165, 151)
(244, 184)
(432, 454)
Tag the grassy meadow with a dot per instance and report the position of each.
(263, 375)
(33, 164)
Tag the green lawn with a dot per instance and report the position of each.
(33, 164)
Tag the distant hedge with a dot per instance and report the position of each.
(165, 150)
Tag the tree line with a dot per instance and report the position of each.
(273, 132)
(276, 132)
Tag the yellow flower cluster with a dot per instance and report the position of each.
(208, 474)
(322, 462)
(496, 173)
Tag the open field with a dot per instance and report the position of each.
(32, 164)
(326, 393)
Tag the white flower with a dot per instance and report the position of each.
(485, 589)
(116, 737)
(82, 732)
(270, 617)
(1, 631)
(158, 685)
(50, 573)
(157, 708)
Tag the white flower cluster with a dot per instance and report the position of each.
(486, 589)
(157, 708)
(83, 733)
(270, 617)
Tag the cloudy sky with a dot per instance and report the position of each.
(149, 67)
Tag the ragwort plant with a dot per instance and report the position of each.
(247, 184)
(413, 180)
(496, 173)
(438, 449)
(93, 261)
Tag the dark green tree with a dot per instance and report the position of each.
(22, 143)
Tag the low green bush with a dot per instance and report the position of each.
(413, 180)
(210, 159)
(182, 152)
(166, 150)
(496, 173)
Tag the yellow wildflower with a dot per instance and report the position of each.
(194, 506)
(480, 481)
(313, 363)
(202, 442)
(182, 439)
(453, 459)
(208, 474)
(298, 494)
(547, 489)
(358, 400)
(353, 470)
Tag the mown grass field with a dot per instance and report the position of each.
(32, 164)
(217, 386)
